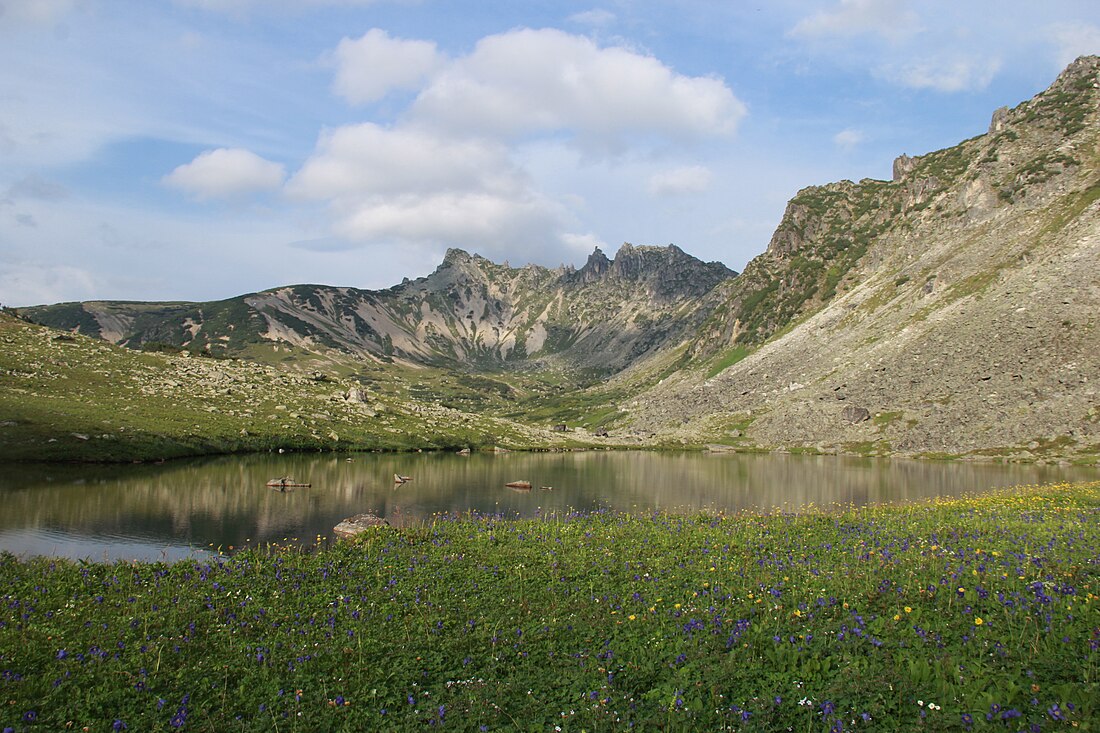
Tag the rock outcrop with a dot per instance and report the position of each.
(468, 312)
(958, 302)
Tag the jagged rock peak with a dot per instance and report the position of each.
(902, 165)
(456, 256)
(1081, 67)
(595, 268)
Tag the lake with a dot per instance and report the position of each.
(180, 508)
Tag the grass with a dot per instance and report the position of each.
(76, 398)
(976, 613)
(729, 358)
(885, 419)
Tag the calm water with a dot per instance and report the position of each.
(171, 510)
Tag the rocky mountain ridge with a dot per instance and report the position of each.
(949, 311)
(469, 312)
(952, 310)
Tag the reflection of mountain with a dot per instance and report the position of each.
(225, 502)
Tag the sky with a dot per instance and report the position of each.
(203, 149)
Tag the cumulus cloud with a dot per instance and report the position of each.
(225, 173)
(582, 243)
(473, 219)
(447, 171)
(1073, 40)
(848, 139)
(531, 82)
(890, 19)
(372, 159)
(944, 75)
(371, 66)
(683, 180)
(410, 184)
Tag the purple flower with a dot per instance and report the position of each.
(30, 716)
(119, 725)
(61, 654)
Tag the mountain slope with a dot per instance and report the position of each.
(71, 397)
(954, 309)
(950, 311)
(470, 312)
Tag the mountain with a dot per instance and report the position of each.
(951, 310)
(468, 313)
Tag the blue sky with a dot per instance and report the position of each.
(201, 149)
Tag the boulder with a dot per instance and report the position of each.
(354, 526)
(854, 414)
(357, 395)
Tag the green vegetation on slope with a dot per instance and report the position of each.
(955, 615)
(74, 398)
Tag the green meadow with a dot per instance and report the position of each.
(979, 613)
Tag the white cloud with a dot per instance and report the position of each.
(890, 19)
(241, 6)
(226, 172)
(414, 185)
(472, 219)
(448, 173)
(944, 75)
(583, 243)
(596, 18)
(684, 180)
(848, 139)
(1073, 40)
(371, 159)
(35, 12)
(34, 283)
(371, 66)
(544, 82)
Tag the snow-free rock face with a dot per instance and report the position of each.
(958, 304)
(952, 309)
(469, 311)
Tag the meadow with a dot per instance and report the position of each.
(981, 613)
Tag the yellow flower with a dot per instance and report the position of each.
(632, 617)
(908, 609)
(978, 621)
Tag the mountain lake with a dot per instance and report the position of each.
(194, 507)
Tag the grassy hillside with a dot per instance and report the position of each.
(69, 397)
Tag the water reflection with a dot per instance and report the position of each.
(171, 510)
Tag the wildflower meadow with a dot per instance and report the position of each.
(979, 613)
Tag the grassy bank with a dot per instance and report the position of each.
(979, 613)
